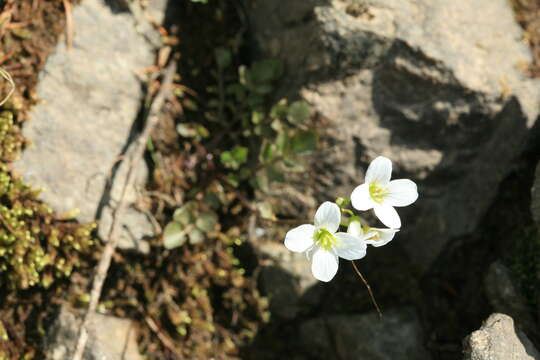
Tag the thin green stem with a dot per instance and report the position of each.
(368, 288)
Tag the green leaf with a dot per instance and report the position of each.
(212, 200)
(185, 214)
(196, 236)
(280, 110)
(263, 89)
(235, 157)
(257, 117)
(223, 57)
(293, 164)
(274, 174)
(255, 100)
(238, 91)
(261, 181)
(265, 71)
(243, 74)
(283, 143)
(304, 141)
(299, 112)
(226, 159)
(207, 221)
(190, 104)
(342, 202)
(202, 131)
(233, 179)
(186, 130)
(264, 131)
(244, 173)
(240, 154)
(173, 235)
(268, 152)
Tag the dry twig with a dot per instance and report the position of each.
(165, 340)
(7, 76)
(135, 155)
(69, 24)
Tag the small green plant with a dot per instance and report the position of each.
(262, 139)
(190, 223)
(273, 136)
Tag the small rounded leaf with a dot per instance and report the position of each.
(207, 221)
(184, 214)
(173, 235)
(299, 112)
(196, 236)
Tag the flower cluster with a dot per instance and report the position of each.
(323, 243)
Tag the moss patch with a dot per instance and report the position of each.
(38, 249)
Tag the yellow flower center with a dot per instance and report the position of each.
(377, 235)
(377, 192)
(324, 239)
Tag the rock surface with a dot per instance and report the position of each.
(497, 339)
(396, 336)
(286, 279)
(109, 338)
(91, 98)
(434, 85)
(506, 298)
(535, 210)
(535, 196)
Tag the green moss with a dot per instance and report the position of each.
(35, 246)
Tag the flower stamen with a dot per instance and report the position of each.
(377, 192)
(324, 239)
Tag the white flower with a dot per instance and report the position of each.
(381, 194)
(324, 243)
(377, 237)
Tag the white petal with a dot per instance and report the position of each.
(328, 216)
(350, 247)
(355, 228)
(380, 170)
(360, 198)
(385, 236)
(388, 216)
(325, 265)
(402, 192)
(300, 238)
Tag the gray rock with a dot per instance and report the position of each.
(497, 339)
(506, 298)
(535, 196)
(91, 97)
(535, 210)
(396, 336)
(156, 10)
(109, 338)
(286, 279)
(434, 85)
